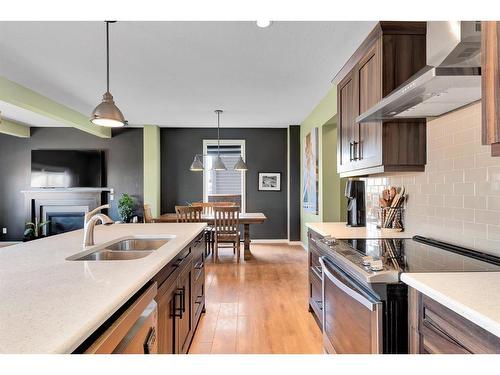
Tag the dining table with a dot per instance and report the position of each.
(245, 218)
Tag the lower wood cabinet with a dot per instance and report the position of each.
(315, 294)
(435, 329)
(181, 299)
(166, 300)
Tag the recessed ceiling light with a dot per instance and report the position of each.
(263, 23)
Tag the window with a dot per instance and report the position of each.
(229, 182)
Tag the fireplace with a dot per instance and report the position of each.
(63, 218)
(62, 222)
(65, 208)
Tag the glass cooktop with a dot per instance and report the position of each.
(421, 254)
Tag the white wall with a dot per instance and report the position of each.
(457, 198)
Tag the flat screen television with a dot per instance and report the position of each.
(66, 168)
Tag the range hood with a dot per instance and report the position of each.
(451, 79)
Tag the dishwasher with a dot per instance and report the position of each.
(134, 331)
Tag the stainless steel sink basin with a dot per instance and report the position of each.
(137, 244)
(114, 255)
(125, 249)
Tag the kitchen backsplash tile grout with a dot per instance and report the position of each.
(457, 198)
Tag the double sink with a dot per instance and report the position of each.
(124, 249)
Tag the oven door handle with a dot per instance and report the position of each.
(372, 306)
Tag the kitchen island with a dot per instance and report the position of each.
(52, 305)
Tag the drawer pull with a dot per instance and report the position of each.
(148, 345)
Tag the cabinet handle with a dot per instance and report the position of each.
(183, 299)
(198, 266)
(178, 311)
(151, 338)
(350, 151)
(358, 149)
(355, 150)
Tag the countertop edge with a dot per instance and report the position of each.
(466, 312)
(345, 232)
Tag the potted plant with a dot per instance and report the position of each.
(126, 206)
(33, 231)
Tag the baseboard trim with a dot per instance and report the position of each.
(270, 241)
(279, 241)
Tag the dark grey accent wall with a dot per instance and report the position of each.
(123, 167)
(294, 197)
(266, 151)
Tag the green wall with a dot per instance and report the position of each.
(330, 200)
(152, 157)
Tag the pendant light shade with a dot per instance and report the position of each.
(107, 114)
(197, 164)
(240, 165)
(218, 164)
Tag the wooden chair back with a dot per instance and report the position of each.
(226, 220)
(223, 204)
(148, 217)
(208, 207)
(188, 214)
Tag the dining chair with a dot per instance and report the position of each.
(224, 204)
(208, 207)
(148, 217)
(188, 214)
(226, 224)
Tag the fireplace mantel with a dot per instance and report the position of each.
(67, 190)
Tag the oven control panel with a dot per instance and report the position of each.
(371, 269)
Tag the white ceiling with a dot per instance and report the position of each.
(177, 73)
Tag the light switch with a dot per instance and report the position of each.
(4, 230)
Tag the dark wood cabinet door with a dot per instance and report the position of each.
(490, 86)
(368, 143)
(166, 300)
(348, 109)
(184, 321)
(435, 329)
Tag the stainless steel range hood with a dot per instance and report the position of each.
(451, 79)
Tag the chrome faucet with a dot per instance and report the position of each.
(88, 215)
(90, 221)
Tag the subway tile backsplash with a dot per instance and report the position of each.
(457, 198)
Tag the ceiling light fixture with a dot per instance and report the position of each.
(217, 164)
(240, 165)
(263, 23)
(107, 114)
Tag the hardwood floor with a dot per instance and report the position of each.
(258, 306)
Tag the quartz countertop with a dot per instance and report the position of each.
(341, 231)
(473, 295)
(51, 305)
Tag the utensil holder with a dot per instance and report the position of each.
(391, 217)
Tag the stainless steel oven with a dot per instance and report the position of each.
(352, 317)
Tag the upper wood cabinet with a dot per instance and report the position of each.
(490, 85)
(391, 54)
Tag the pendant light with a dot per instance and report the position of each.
(197, 164)
(240, 165)
(218, 164)
(107, 114)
